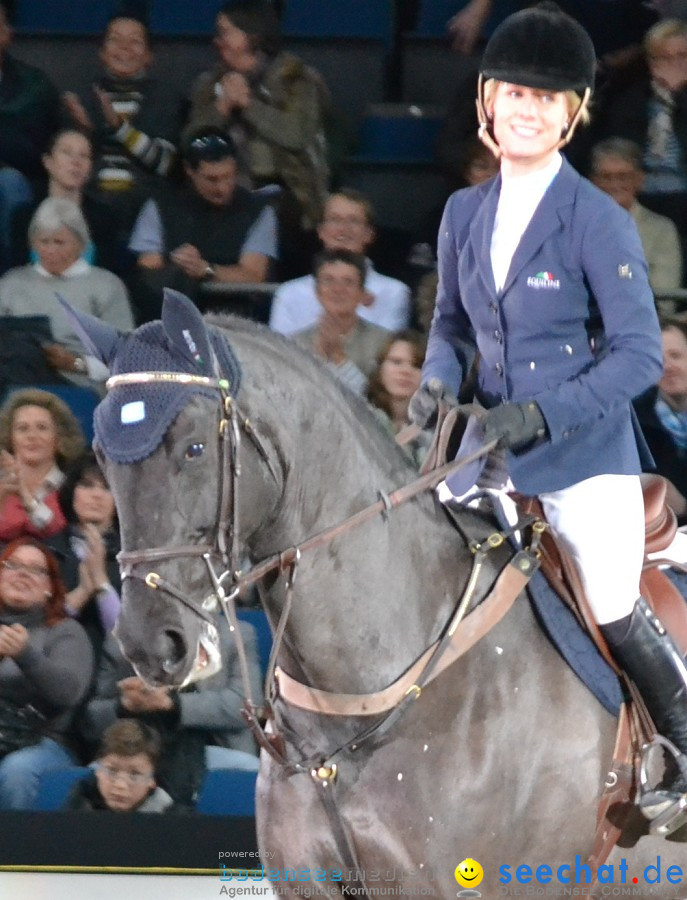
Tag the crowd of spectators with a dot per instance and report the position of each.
(59, 601)
(223, 189)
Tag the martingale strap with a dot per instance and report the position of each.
(462, 633)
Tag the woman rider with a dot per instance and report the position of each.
(542, 278)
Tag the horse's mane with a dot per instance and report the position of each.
(293, 357)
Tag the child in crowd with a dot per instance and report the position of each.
(124, 776)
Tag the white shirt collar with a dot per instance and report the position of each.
(533, 183)
(80, 267)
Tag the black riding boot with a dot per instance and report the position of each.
(646, 652)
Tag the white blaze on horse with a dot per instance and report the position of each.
(248, 449)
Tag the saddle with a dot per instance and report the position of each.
(635, 729)
(557, 565)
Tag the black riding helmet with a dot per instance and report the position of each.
(541, 47)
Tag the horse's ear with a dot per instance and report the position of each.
(99, 338)
(185, 329)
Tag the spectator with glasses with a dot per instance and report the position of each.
(46, 667)
(200, 725)
(348, 223)
(347, 344)
(210, 230)
(651, 109)
(616, 168)
(123, 779)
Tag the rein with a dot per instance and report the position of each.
(231, 424)
(393, 700)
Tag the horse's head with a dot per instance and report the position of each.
(168, 435)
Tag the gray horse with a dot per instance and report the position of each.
(501, 758)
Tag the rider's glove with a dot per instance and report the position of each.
(514, 425)
(424, 404)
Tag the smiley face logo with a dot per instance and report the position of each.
(469, 873)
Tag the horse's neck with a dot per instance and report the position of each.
(368, 602)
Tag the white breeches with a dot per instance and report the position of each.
(600, 522)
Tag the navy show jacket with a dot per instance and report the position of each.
(574, 328)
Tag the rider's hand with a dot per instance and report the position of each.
(514, 425)
(423, 408)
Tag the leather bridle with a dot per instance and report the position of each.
(135, 563)
(228, 580)
(232, 423)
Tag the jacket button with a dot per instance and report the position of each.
(498, 337)
(493, 307)
(498, 368)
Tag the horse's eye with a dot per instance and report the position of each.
(193, 451)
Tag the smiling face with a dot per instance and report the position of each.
(69, 162)
(469, 873)
(339, 289)
(125, 52)
(345, 226)
(400, 374)
(24, 579)
(619, 178)
(528, 124)
(34, 436)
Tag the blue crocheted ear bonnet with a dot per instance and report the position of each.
(131, 421)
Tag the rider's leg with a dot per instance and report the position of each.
(601, 523)
(641, 645)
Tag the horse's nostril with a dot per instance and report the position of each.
(172, 651)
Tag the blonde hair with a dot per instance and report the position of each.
(661, 32)
(573, 100)
(70, 438)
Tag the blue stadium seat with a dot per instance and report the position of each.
(227, 792)
(63, 16)
(183, 18)
(73, 17)
(258, 620)
(343, 19)
(394, 132)
(54, 787)
(434, 15)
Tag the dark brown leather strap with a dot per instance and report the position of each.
(617, 798)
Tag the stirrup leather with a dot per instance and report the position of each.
(666, 809)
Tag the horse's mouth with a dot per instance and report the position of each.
(208, 659)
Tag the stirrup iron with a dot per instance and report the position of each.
(670, 814)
